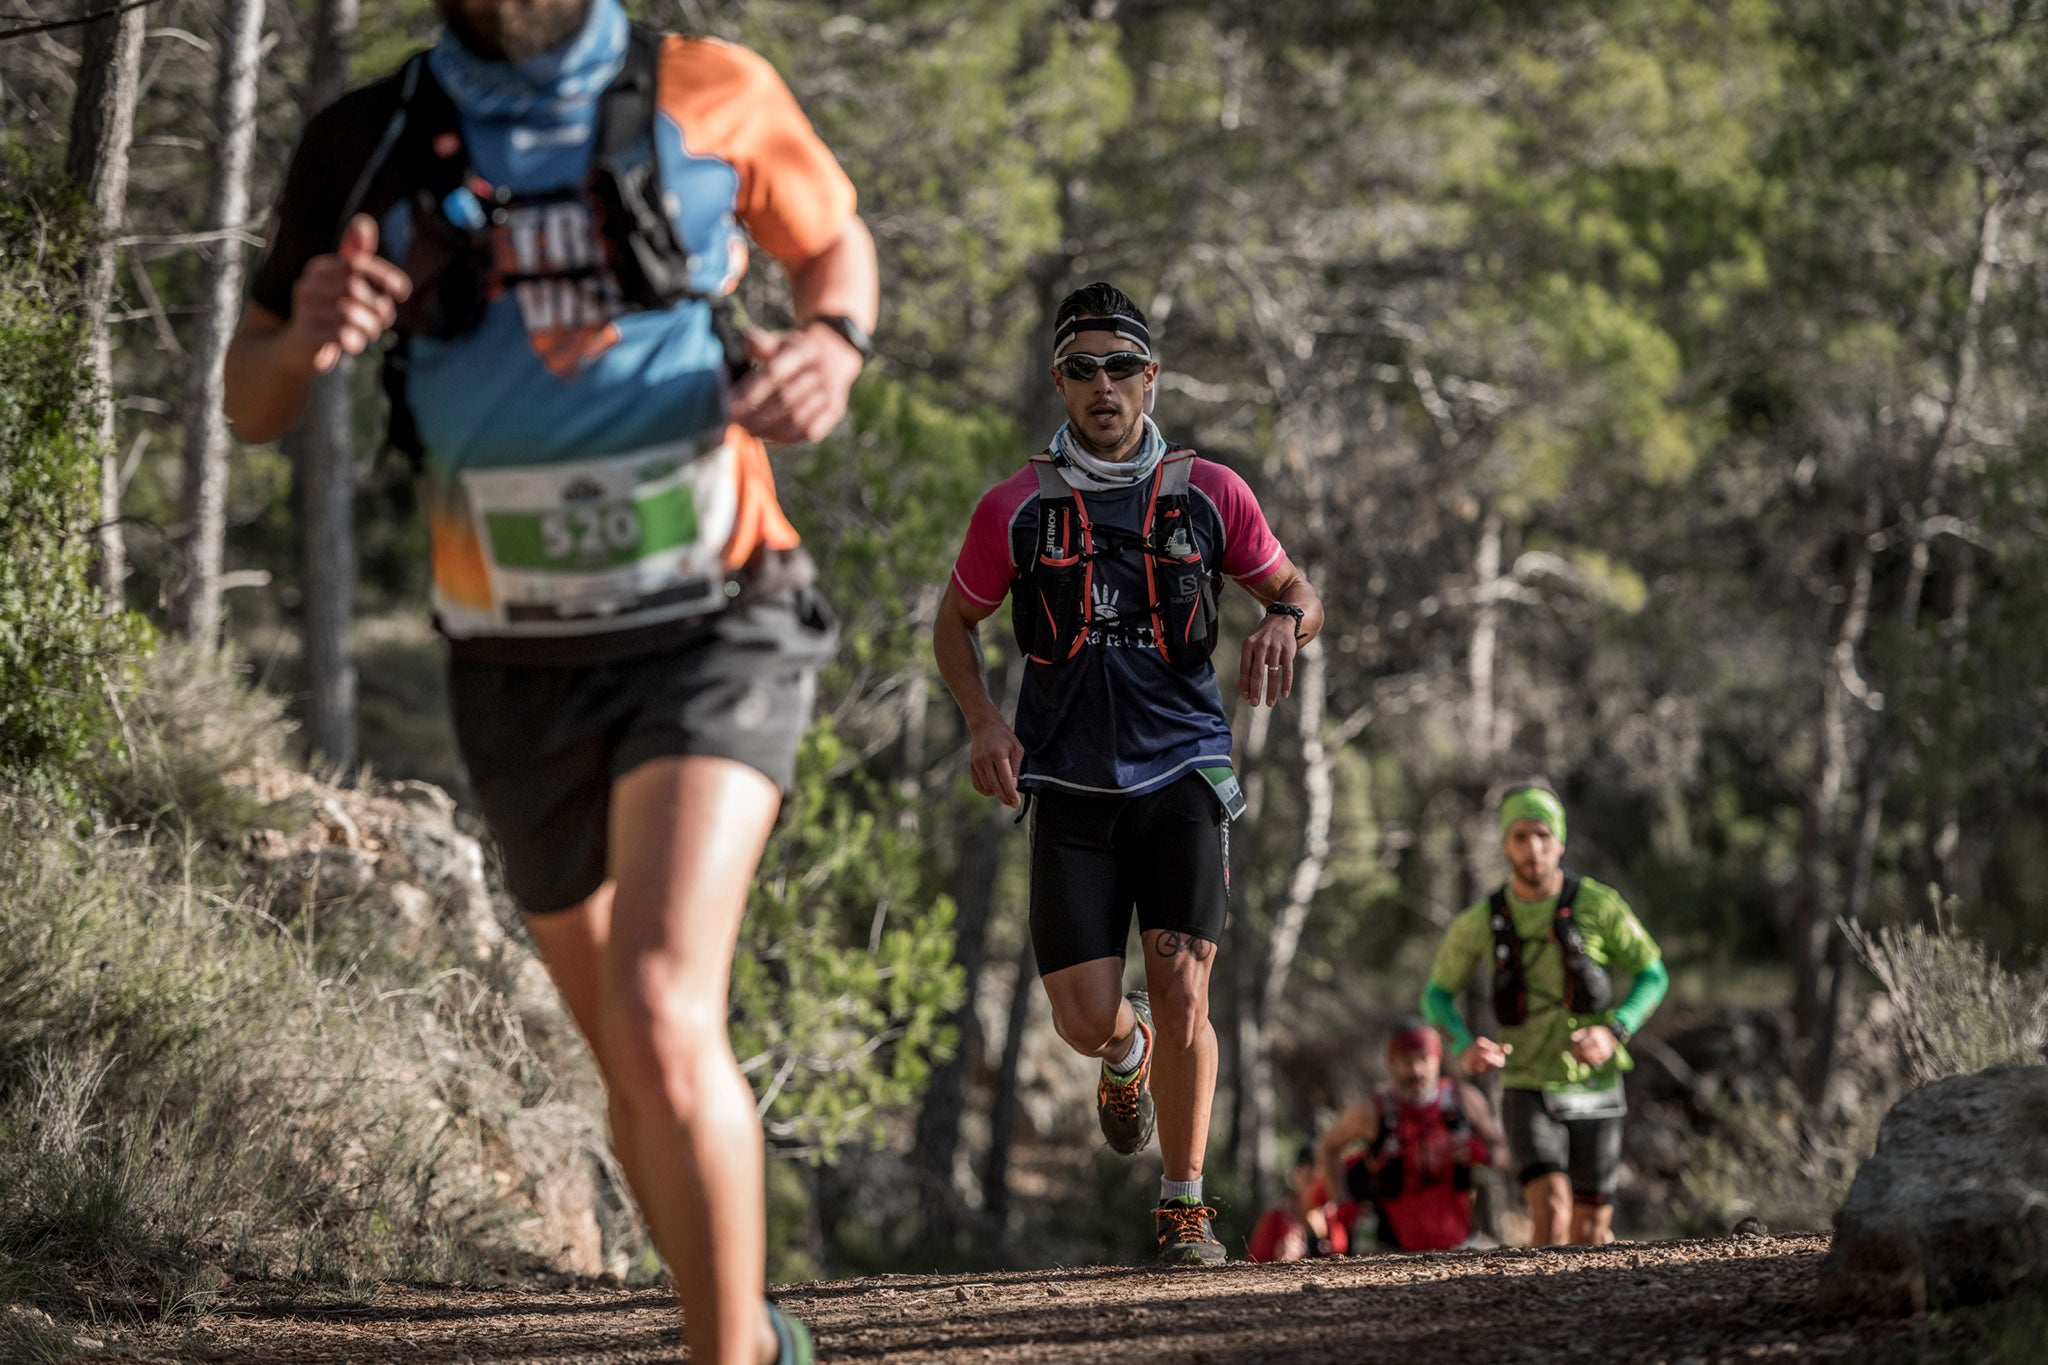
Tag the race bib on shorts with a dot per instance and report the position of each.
(1223, 782)
(586, 547)
(1565, 1105)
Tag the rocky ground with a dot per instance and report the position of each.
(1728, 1299)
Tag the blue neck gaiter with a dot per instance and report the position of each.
(530, 123)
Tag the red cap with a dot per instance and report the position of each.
(1415, 1035)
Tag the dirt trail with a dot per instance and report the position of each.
(1737, 1298)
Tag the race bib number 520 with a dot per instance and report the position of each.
(599, 545)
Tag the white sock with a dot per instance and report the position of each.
(1180, 1189)
(1133, 1057)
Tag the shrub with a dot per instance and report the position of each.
(1955, 1008)
(193, 1087)
(60, 655)
(1951, 1008)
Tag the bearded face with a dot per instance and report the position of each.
(513, 30)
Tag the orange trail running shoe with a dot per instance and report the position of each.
(1184, 1234)
(1123, 1104)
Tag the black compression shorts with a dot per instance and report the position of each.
(543, 745)
(1586, 1149)
(1094, 859)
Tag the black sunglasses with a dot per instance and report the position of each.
(1120, 364)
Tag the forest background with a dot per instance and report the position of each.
(1646, 385)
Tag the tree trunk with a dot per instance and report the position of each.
(1944, 821)
(1887, 740)
(1002, 1128)
(937, 1144)
(1479, 727)
(1841, 685)
(1841, 969)
(1283, 940)
(102, 128)
(197, 613)
(1244, 1032)
(322, 453)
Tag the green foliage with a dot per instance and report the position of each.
(884, 503)
(845, 974)
(61, 657)
(960, 125)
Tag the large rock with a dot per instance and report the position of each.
(1953, 1206)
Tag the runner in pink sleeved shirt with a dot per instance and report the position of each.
(1113, 546)
(986, 566)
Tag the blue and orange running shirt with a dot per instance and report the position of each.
(1117, 718)
(585, 492)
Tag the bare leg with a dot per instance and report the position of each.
(572, 943)
(1550, 1209)
(647, 982)
(1089, 1011)
(1593, 1224)
(1177, 968)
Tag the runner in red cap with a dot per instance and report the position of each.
(1423, 1135)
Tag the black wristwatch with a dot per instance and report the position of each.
(1619, 1030)
(850, 331)
(1288, 609)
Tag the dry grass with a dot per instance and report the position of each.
(1956, 1008)
(1950, 1009)
(195, 1086)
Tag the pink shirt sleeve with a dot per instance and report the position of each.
(984, 571)
(1250, 550)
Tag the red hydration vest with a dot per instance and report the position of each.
(1421, 1169)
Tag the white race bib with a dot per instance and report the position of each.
(599, 545)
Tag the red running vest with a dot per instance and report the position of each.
(1426, 1152)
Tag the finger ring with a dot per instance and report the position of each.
(1272, 668)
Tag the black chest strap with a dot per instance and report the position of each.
(1510, 976)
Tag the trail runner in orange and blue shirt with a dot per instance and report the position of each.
(632, 630)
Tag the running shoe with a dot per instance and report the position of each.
(792, 1338)
(1184, 1234)
(1123, 1104)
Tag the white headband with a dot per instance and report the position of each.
(1125, 327)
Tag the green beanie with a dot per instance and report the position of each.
(1532, 803)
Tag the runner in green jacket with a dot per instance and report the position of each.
(1561, 1050)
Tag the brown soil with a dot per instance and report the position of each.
(1736, 1298)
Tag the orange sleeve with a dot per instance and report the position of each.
(732, 105)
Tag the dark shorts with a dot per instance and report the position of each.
(1094, 859)
(1586, 1149)
(543, 745)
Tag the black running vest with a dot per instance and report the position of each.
(1054, 596)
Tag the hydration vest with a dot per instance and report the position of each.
(1407, 1129)
(422, 161)
(1054, 607)
(1587, 987)
(1418, 1174)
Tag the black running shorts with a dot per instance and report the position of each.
(543, 745)
(1586, 1149)
(1096, 858)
